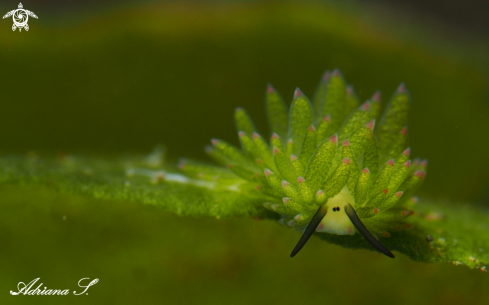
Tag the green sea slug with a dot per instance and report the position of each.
(329, 166)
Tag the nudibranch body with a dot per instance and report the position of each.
(328, 166)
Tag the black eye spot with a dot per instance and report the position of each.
(338, 209)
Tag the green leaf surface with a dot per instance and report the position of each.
(131, 179)
(436, 232)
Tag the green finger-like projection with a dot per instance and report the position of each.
(316, 220)
(350, 211)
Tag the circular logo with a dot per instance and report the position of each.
(20, 17)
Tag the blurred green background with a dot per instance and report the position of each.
(123, 77)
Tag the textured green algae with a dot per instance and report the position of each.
(439, 232)
(112, 178)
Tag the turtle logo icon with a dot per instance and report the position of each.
(20, 17)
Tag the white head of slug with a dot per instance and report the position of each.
(338, 216)
(336, 221)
